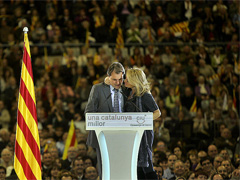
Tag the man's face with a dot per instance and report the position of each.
(87, 163)
(158, 171)
(224, 154)
(72, 152)
(207, 165)
(222, 170)
(227, 165)
(78, 166)
(171, 161)
(82, 149)
(217, 162)
(47, 159)
(6, 156)
(91, 173)
(179, 169)
(225, 133)
(2, 174)
(54, 153)
(116, 80)
(212, 151)
(161, 146)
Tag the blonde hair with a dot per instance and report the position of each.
(137, 78)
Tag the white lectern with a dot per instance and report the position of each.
(119, 136)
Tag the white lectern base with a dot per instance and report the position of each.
(121, 161)
(119, 137)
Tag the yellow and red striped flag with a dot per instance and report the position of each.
(114, 22)
(180, 27)
(97, 22)
(194, 105)
(213, 78)
(71, 140)
(177, 91)
(150, 34)
(119, 40)
(27, 158)
(47, 65)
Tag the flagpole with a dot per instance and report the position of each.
(27, 156)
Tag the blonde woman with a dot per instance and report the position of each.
(141, 100)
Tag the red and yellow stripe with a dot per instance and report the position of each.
(27, 159)
(180, 27)
(194, 105)
(177, 91)
(71, 140)
(119, 40)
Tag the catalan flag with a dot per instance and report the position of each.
(46, 148)
(150, 34)
(213, 78)
(119, 40)
(97, 22)
(180, 27)
(47, 65)
(177, 91)
(194, 105)
(71, 140)
(27, 159)
(114, 22)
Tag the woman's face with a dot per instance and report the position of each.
(127, 84)
(178, 152)
(164, 164)
(54, 171)
(193, 158)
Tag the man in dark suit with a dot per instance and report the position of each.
(106, 98)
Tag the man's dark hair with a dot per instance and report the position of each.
(76, 159)
(65, 173)
(84, 143)
(200, 172)
(171, 155)
(116, 67)
(204, 159)
(2, 167)
(88, 157)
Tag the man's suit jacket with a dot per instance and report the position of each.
(99, 101)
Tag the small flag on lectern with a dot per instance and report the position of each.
(27, 158)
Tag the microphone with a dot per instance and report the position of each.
(131, 101)
(99, 107)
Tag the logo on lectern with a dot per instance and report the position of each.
(141, 119)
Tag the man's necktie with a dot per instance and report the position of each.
(116, 101)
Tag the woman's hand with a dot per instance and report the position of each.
(107, 81)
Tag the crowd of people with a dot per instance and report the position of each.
(193, 70)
